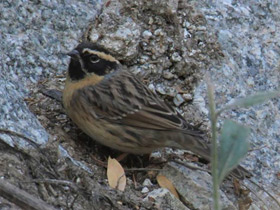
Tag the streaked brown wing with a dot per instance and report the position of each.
(122, 98)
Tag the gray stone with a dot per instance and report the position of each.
(147, 183)
(178, 100)
(145, 190)
(168, 75)
(164, 199)
(194, 186)
(147, 34)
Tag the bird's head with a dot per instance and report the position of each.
(90, 58)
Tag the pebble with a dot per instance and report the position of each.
(152, 87)
(250, 81)
(147, 34)
(178, 100)
(94, 37)
(155, 155)
(147, 183)
(160, 90)
(176, 57)
(145, 190)
(187, 97)
(168, 75)
(151, 21)
(172, 92)
(158, 32)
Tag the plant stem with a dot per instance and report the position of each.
(214, 152)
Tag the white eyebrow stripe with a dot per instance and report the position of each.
(101, 55)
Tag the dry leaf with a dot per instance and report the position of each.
(166, 183)
(115, 174)
(191, 157)
(236, 187)
(244, 203)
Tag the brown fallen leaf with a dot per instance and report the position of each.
(166, 183)
(236, 187)
(243, 199)
(115, 174)
(244, 203)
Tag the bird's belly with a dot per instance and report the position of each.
(113, 135)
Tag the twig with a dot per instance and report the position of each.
(21, 198)
(258, 148)
(278, 203)
(142, 169)
(255, 195)
(54, 181)
(99, 162)
(190, 166)
(53, 93)
(73, 202)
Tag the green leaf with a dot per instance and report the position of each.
(255, 99)
(233, 147)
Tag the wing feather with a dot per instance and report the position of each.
(124, 99)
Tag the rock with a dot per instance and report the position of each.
(168, 7)
(187, 97)
(147, 183)
(178, 100)
(191, 183)
(176, 57)
(160, 89)
(145, 190)
(120, 39)
(164, 199)
(168, 75)
(147, 34)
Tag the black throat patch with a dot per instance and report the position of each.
(75, 70)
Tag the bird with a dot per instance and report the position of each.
(115, 108)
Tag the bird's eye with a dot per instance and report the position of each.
(94, 59)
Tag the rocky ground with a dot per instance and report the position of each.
(171, 45)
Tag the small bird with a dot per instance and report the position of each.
(113, 106)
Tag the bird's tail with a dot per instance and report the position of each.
(194, 141)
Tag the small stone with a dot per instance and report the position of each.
(201, 28)
(186, 24)
(160, 90)
(158, 32)
(157, 193)
(176, 57)
(172, 92)
(250, 82)
(147, 183)
(147, 34)
(94, 37)
(168, 75)
(151, 21)
(137, 70)
(178, 100)
(187, 97)
(145, 190)
(143, 59)
(265, 162)
(187, 34)
(152, 87)
(155, 155)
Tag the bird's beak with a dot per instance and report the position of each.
(73, 53)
